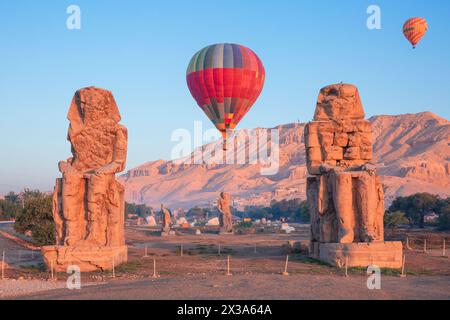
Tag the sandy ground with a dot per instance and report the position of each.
(198, 272)
(255, 287)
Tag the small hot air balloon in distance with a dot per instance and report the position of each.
(415, 29)
(225, 80)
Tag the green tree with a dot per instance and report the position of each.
(294, 209)
(443, 210)
(416, 207)
(10, 206)
(304, 215)
(395, 219)
(36, 216)
(139, 209)
(256, 212)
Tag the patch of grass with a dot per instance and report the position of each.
(188, 252)
(40, 267)
(307, 259)
(205, 249)
(384, 271)
(131, 266)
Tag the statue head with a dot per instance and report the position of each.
(224, 195)
(93, 116)
(91, 105)
(339, 102)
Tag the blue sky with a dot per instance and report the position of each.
(140, 50)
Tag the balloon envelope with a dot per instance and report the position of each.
(225, 80)
(415, 29)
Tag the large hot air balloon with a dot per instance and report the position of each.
(225, 80)
(414, 30)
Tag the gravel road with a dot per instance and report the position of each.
(14, 288)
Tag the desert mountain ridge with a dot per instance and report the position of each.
(411, 151)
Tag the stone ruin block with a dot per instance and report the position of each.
(358, 139)
(352, 153)
(382, 254)
(340, 139)
(328, 126)
(352, 164)
(366, 139)
(333, 153)
(314, 154)
(354, 139)
(326, 139)
(312, 140)
(360, 125)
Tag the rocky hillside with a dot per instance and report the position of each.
(412, 152)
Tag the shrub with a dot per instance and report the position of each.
(395, 219)
(36, 216)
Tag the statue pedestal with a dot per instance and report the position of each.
(381, 254)
(88, 258)
(168, 233)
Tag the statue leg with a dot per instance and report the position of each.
(379, 220)
(342, 197)
(72, 194)
(58, 212)
(312, 190)
(367, 199)
(96, 197)
(115, 214)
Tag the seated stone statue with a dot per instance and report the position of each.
(88, 201)
(345, 196)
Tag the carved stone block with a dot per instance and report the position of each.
(333, 153)
(314, 154)
(326, 139)
(340, 139)
(312, 140)
(352, 153)
(354, 139)
(381, 254)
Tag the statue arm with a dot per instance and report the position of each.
(120, 153)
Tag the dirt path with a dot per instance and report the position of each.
(271, 287)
